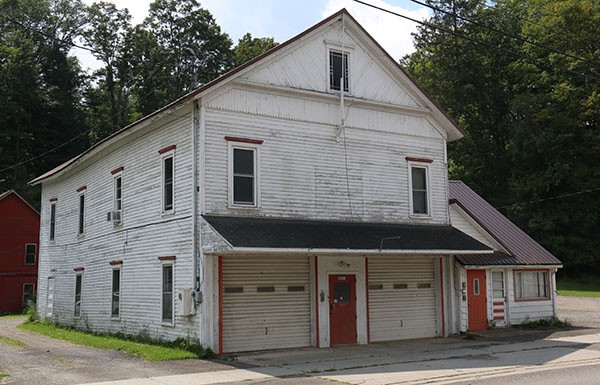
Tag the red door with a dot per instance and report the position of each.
(477, 297)
(342, 309)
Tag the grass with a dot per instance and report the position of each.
(585, 286)
(13, 316)
(145, 350)
(10, 341)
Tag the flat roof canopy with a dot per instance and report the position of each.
(243, 232)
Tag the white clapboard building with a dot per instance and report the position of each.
(300, 199)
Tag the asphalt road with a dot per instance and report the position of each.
(581, 375)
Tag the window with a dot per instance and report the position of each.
(116, 293)
(476, 286)
(28, 293)
(118, 193)
(338, 68)
(30, 253)
(167, 293)
(498, 284)
(81, 223)
(78, 283)
(419, 198)
(167, 182)
(531, 285)
(244, 176)
(52, 220)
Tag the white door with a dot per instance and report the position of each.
(401, 298)
(50, 297)
(266, 303)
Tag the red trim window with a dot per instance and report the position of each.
(532, 285)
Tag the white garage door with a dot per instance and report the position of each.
(266, 303)
(401, 298)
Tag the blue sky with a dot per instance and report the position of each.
(283, 19)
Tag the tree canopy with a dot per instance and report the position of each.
(51, 109)
(522, 78)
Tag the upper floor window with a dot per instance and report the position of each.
(168, 180)
(81, 216)
(532, 285)
(338, 70)
(117, 195)
(419, 190)
(30, 253)
(244, 176)
(52, 221)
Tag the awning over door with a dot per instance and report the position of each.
(268, 233)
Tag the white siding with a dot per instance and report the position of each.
(401, 313)
(521, 311)
(143, 236)
(306, 67)
(464, 223)
(255, 320)
(302, 170)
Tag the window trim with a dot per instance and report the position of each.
(33, 293)
(504, 292)
(167, 261)
(115, 267)
(34, 254)
(118, 175)
(255, 148)
(78, 275)
(424, 166)
(52, 229)
(168, 153)
(344, 52)
(547, 298)
(81, 213)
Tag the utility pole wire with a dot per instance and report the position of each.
(518, 54)
(511, 35)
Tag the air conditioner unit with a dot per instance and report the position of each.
(114, 217)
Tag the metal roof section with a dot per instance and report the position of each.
(454, 130)
(523, 249)
(245, 233)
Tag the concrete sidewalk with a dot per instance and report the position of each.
(432, 360)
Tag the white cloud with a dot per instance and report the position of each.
(392, 32)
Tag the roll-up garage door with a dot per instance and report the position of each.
(401, 298)
(266, 303)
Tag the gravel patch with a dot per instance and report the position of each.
(581, 311)
(46, 361)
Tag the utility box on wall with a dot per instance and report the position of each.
(186, 301)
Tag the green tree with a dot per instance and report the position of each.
(248, 48)
(184, 40)
(41, 117)
(108, 34)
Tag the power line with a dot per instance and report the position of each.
(549, 198)
(436, 27)
(511, 35)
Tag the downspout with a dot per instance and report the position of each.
(195, 277)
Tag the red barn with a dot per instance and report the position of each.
(19, 237)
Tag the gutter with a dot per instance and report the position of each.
(279, 251)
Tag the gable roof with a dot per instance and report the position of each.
(8, 193)
(454, 131)
(523, 249)
(305, 235)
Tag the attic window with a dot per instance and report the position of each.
(338, 68)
